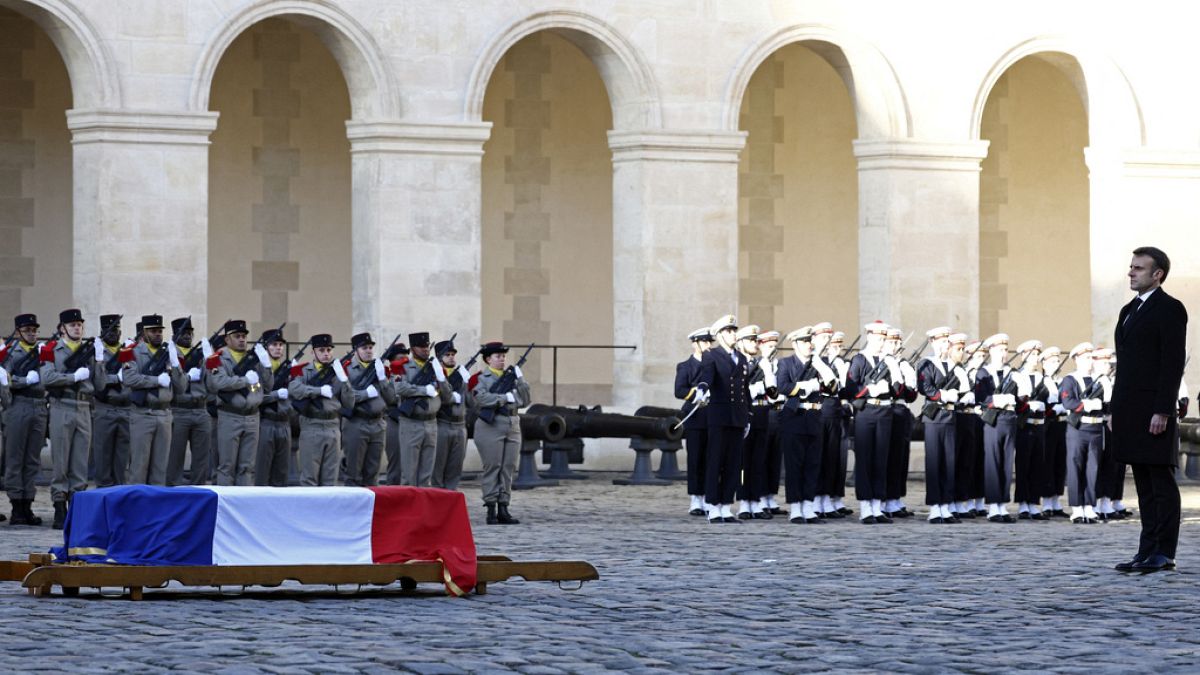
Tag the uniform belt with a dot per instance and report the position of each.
(810, 406)
(25, 393)
(322, 415)
(231, 411)
(154, 406)
(190, 405)
(274, 416)
(1091, 420)
(425, 417)
(945, 406)
(70, 395)
(370, 417)
(879, 401)
(761, 404)
(1035, 421)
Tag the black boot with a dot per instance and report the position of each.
(60, 515)
(491, 517)
(504, 516)
(18, 512)
(33, 520)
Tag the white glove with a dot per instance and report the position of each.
(206, 348)
(33, 378)
(439, 373)
(1024, 386)
(430, 390)
(457, 398)
(960, 374)
(251, 378)
(843, 369)
(1051, 387)
(1059, 409)
(704, 396)
(100, 350)
(758, 389)
(1003, 400)
(809, 386)
(281, 394)
(194, 374)
(380, 373)
(261, 353)
(948, 395)
(910, 376)
(1106, 385)
(967, 398)
(173, 354)
(3, 377)
(372, 392)
(82, 373)
(164, 380)
(327, 391)
(893, 368)
(121, 376)
(510, 398)
(877, 388)
(1092, 404)
(517, 370)
(827, 375)
(465, 374)
(340, 370)
(1037, 407)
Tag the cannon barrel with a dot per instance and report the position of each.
(543, 426)
(584, 423)
(656, 411)
(1189, 431)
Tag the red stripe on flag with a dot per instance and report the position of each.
(425, 524)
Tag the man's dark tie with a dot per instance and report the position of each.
(1133, 308)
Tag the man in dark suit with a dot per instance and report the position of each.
(1149, 338)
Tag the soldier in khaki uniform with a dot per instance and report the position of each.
(151, 372)
(318, 391)
(71, 373)
(364, 431)
(499, 442)
(275, 427)
(190, 425)
(423, 395)
(451, 420)
(236, 376)
(24, 422)
(395, 356)
(110, 417)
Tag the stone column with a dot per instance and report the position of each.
(416, 228)
(918, 242)
(674, 251)
(141, 212)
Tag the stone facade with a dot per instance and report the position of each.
(606, 173)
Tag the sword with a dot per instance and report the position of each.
(689, 415)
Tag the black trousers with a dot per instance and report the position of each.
(872, 442)
(978, 478)
(722, 464)
(1056, 458)
(696, 441)
(1111, 482)
(999, 451)
(754, 459)
(964, 455)
(774, 455)
(802, 451)
(1083, 463)
(1029, 478)
(1158, 500)
(833, 468)
(899, 452)
(940, 460)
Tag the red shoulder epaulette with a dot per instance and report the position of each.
(398, 365)
(473, 381)
(298, 369)
(125, 355)
(47, 353)
(3, 352)
(213, 362)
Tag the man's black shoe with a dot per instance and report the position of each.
(1128, 566)
(1154, 563)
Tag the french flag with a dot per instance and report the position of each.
(148, 525)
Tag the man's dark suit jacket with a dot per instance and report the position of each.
(1150, 357)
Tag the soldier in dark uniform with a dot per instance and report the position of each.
(801, 379)
(695, 429)
(1056, 436)
(999, 389)
(900, 448)
(754, 446)
(364, 431)
(1110, 484)
(768, 344)
(836, 423)
(190, 421)
(973, 484)
(1030, 463)
(873, 378)
(275, 425)
(1085, 434)
(24, 422)
(725, 369)
(938, 381)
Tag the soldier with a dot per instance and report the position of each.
(999, 389)
(1083, 400)
(318, 391)
(151, 371)
(5, 402)
(873, 378)
(1110, 483)
(1055, 473)
(451, 420)
(768, 344)
(24, 421)
(726, 371)
(1030, 462)
(70, 373)
(421, 385)
(754, 446)
(836, 422)
(973, 484)
(801, 379)
(364, 432)
(110, 420)
(236, 376)
(395, 356)
(498, 441)
(939, 382)
(190, 423)
(275, 425)
(900, 448)
(695, 432)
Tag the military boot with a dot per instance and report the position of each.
(491, 517)
(18, 512)
(60, 515)
(504, 517)
(33, 520)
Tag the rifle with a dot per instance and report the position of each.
(850, 349)
(455, 378)
(251, 360)
(503, 385)
(284, 373)
(991, 415)
(196, 356)
(302, 405)
(424, 377)
(87, 350)
(917, 352)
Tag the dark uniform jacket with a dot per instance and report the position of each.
(687, 376)
(801, 411)
(729, 387)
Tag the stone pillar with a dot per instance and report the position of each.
(918, 242)
(674, 251)
(416, 228)
(141, 212)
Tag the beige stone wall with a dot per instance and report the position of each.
(279, 177)
(547, 271)
(35, 174)
(1034, 238)
(798, 196)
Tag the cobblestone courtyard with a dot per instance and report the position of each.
(676, 594)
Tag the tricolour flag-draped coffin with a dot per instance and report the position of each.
(145, 525)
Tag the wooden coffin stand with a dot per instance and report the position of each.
(40, 575)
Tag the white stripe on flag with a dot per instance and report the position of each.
(293, 526)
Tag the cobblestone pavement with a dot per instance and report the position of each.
(676, 594)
